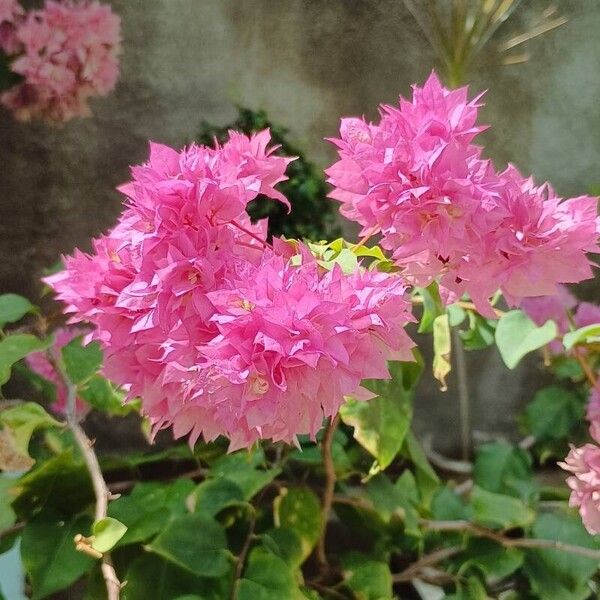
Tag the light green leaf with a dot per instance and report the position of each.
(7, 514)
(299, 509)
(13, 308)
(556, 575)
(102, 395)
(432, 306)
(81, 362)
(381, 424)
(23, 419)
(196, 543)
(13, 348)
(442, 347)
(499, 510)
(517, 335)
(552, 413)
(368, 579)
(107, 532)
(586, 335)
(49, 555)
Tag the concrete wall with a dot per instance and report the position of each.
(307, 62)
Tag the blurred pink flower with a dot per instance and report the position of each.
(584, 464)
(593, 413)
(587, 314)
(445, 213)
(217, 334)
(38, 362)
(11, 15)
(68, 52)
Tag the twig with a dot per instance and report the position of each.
(427, 560)
(329, 487)
(463, 467)
(113, 586)
(251, 234)
(532, 543)
(241, 559)
(589, 373)
(10, 530)
(370, 233)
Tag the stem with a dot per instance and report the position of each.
(370, 233)
(101, 491)
(507, 542)
(241, 559)
(251, 234)
(329, 487)
(426, 561)
(589, 373)
(464, 401)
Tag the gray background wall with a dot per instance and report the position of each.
(307, 62)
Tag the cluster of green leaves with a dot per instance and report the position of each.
(246, 525)
(313, 214)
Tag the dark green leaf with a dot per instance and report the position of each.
(49, 555)
(196, 543)
(517, 335)
(432, 306)
(552, 414)
(13, 348)
(494, 560)
(556, 575)
(427, 479)
(81, 362)
(102, 395)
(480, 333)
(13, 308)
(505, 469)
(7, 514)
(286, 543)
(213, 495)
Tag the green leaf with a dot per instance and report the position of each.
(498, 510)
(473, 590)
(267, 577)
(505, 469)
(102, 395)
(150, 576)
(380, 425)
(242, 468)
(7, 514)
(480, 333)
(196, 543)
(447, 505)
(286, 543)
(23, 420)
(442, 346)
(367, 578)
(13, 308)
(107, 532)
(427, 479)
(299, 509)
(13, 348)
(81, 362)
(583, 335)
(553, 413)
(494, 560)
(213, 495)
(432, 306)
(556, 575)
(49, 555)
(149, 507)
(517, 335)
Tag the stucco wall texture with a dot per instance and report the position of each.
(307, 62)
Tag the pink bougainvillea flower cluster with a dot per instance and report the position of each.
(66, 53)
(417, 178)
(39, 363)
(215, 331)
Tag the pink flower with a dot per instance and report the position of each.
(593, 413)
(69, 54)
(11, 15)
(417, 178)
(584, 464)
(38, 362)
(216, 334)
(587, 314)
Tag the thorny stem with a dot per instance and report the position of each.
(329, 467)
(101, 491)
(508, 542)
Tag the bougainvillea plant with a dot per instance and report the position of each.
(56, 58)
(286, 369)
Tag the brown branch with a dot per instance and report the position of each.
(531, 543)
(101, 491)
(589, 373)
(427, 560)
(329, 487)
(10, 530)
